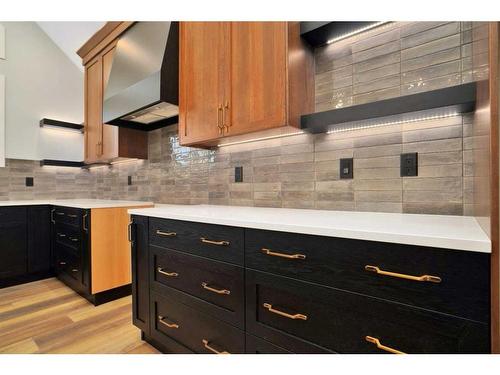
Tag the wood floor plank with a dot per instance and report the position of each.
(48, 317)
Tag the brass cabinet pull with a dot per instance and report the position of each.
(62, 263)
(219, 243)
(161, 319)
(166, 234)
(85, 222)
(52, 216)
(72, 215)
(75, 270)
(429, 278)
(224, 110)
(129, 231)
(169, 274)
(213, 350)
(220, 112)
(218, 291)
(286, 315)
(73, 239)
(376, 341)
(281, 255)
(61, 235)
(60, 213)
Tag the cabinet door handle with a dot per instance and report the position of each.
(166, 234)
(60, 235)
(281, 255)
(269, 307)
(211, 242)
(161, 319)
(60, 213)
(52, 216)
(429, 278)
(129, 232)
(220, 112)
(62, 263)
(212, 349)
(224, 110)
(73, 239)
(85, 222)
(218, 291)
(169, 274)
(72, 215)
(74, 270)
(376, 341)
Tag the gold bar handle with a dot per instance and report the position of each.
(224, 111)
(166, 234)
(72, 215)
(429, 278)
(161, 319)
(212, 349)
(52, 216)
(219, 118)
(281, 255)
(218, 291)
(211, 242)
(376, 341)
(286, 315)
(73, 239)
(62, 263)
(169, 274)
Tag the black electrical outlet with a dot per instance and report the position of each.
(346, 166)
(238, 174)
(409, 164)
(29, 181)
(129, 180)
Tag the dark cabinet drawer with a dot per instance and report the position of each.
(174, 324)
(379, 269)
(69, 236)
(68, 215)
(211, 241)
(67, 262)
(286, 311)
(214, 287)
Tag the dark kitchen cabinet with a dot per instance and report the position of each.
(39, 239)
(13, 242)
(140, 272)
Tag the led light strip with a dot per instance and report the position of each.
(366, 28)
(124, 161)
(418, 119)
(260, 139)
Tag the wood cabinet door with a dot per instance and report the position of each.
(256, 91)
(203, 57)
(109, 132)
(93, 111)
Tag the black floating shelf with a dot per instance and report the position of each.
(61, 163)
(320, 33)
(47, 122)
(455, 99)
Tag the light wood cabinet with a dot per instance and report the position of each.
(241, 77)
(104, 143)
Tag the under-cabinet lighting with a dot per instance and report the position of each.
(357, 31)
(260, 139)
(389, 123)
(97, 166)
(124, 161)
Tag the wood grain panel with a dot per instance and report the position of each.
(256, 89)
(93, 110)
(201, 76)
(109, 132)
(110, 248)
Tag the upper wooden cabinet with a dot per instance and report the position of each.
(104, 143)
(241, 77)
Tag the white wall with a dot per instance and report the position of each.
(40, 81)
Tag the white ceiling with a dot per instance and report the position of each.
(70, 36)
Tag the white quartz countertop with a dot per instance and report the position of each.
(76, 203)
(442, 231)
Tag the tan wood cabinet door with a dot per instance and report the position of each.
(203, 60)
(255, 95)
(93, 111)
(109, 132)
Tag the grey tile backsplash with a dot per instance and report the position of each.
(302, 171)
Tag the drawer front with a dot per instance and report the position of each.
(286, 311)
(217, 287)
(66, 261)
(211, 241)
(378, 269)
(10, 215)
(255, 345)
(69, 236)
(194, 330)
(68, 215)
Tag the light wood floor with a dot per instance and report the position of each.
(48, 317)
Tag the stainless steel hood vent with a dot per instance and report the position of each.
(142, 91)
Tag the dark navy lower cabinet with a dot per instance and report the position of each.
(255, 291)
(25, 251)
